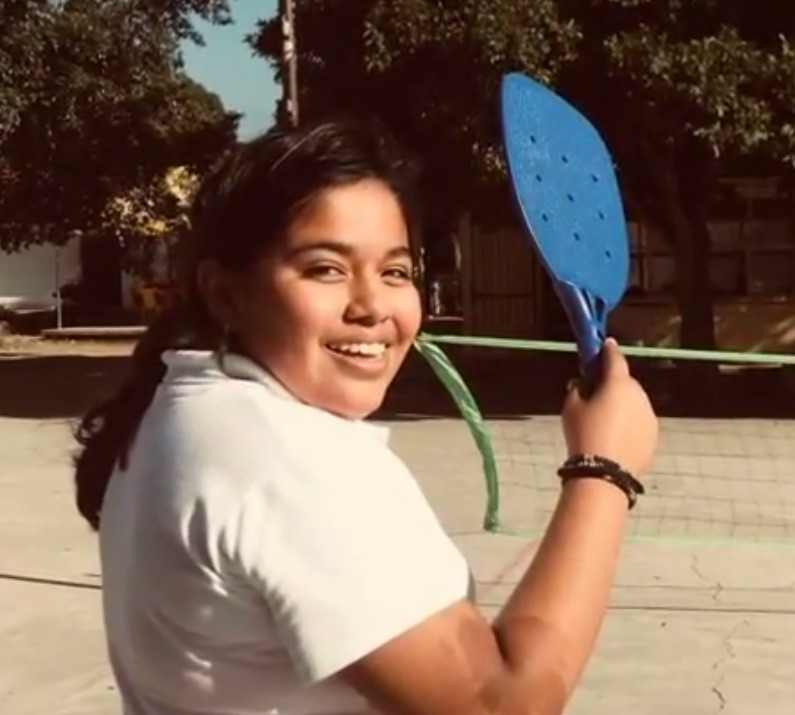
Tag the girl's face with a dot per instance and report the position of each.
(333, 310)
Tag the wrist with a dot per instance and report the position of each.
(592, 468)
(594, 491)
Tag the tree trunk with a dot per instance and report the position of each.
(696, 385)
(691, 248)
(676, 207)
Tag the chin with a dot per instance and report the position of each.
(355, 403)
(356, 409)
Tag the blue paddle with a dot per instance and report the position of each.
(567, 192)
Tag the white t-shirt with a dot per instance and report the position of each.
(255, 546)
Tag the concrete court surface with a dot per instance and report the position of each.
(703, 615)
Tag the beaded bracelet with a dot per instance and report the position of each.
(591, 466)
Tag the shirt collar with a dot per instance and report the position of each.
(238, 367)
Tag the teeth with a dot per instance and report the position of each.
(363, 349)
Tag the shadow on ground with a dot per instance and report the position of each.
(57, 386)
(506, 387)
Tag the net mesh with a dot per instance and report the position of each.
(712, 480)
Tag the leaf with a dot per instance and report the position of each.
(106, 111)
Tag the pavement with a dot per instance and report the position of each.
(703, 612)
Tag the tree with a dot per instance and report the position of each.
(680, 89)
(24, 24)
(150, 221)
(105, 111)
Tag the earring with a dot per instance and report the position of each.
(223, 347)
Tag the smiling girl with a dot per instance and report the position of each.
(263, 550)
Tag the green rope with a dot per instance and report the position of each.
(468, 407)
(718, 356)
(428, 346)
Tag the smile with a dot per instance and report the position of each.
(358, 350)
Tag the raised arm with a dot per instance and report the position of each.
(529, 661)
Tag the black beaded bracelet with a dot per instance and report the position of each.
(591, 466)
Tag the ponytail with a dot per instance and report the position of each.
(107, 432)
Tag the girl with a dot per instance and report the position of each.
(263, 551)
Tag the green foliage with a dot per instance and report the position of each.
(681, 89)
(709, 74)
(24, 23)
(719, 75)
(93, 104)
(430, 69)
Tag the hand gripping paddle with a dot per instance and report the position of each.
(567, 192)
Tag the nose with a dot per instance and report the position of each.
(368, 303)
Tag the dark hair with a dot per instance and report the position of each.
(242, 208)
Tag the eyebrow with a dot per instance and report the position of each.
(345, 249)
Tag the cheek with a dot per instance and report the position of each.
(408, 313)
(291, 317)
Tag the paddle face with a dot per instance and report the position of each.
(567, 192)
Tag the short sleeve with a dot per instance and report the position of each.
(345, 549)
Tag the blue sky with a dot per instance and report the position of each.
(226, 66)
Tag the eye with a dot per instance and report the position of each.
(324, 271)
(398, 273)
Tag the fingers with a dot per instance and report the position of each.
(614, 363)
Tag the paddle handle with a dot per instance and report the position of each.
(591, 376)
(588, 332)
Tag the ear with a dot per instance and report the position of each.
(217, 289)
